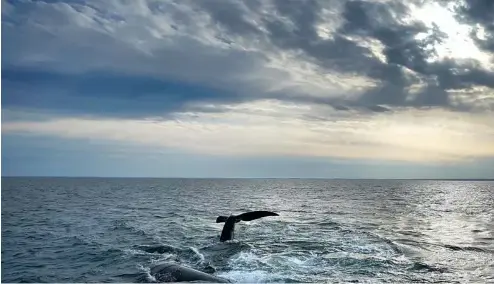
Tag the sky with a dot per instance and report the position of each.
(254, 88)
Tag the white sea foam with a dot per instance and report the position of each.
(196, 251)
(147, 271)
(242, 276)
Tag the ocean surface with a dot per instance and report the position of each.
(115, 230)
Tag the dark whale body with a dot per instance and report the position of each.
(229, 228)
(172, 272)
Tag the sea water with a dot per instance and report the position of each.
(115, 230)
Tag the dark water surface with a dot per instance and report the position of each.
(114, 230)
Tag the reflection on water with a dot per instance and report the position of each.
(110, 230)
(448, 224)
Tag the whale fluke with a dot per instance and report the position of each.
(229, 227)
(249, 216)
(221, 219)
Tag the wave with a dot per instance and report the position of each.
(427, 267)
(158, 249)
(468, 248)
(126, 226)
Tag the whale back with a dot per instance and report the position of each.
(172, 272)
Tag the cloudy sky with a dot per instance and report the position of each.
(254, 88)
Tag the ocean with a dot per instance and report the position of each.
(116, 229)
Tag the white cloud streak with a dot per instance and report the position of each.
(276, 129)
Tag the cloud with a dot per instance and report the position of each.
(54, 156)
(270, 128)
(478, 13)
(408, 49)
(354, 54)
(104, 94)
(341, 79)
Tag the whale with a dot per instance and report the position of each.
(174, 272)
(228, 230)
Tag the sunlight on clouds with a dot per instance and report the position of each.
(374, 46)
(176, 40)
(330, 21)
(179, 41)
(458, 43)
(278, 129)
(481, 98)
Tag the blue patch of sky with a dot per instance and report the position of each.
(32, 155)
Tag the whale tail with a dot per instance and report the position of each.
(221, 219)
(229, 227)
(248, 216)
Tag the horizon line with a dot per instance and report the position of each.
(198, 177)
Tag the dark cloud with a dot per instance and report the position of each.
(479, 12)
(452, 75)
(403, 53)
(280, 26)
(403, 50)
(101, 93)
(336, 53)
(362, 16)
(230, 14)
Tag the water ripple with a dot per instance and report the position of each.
(115, 230)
